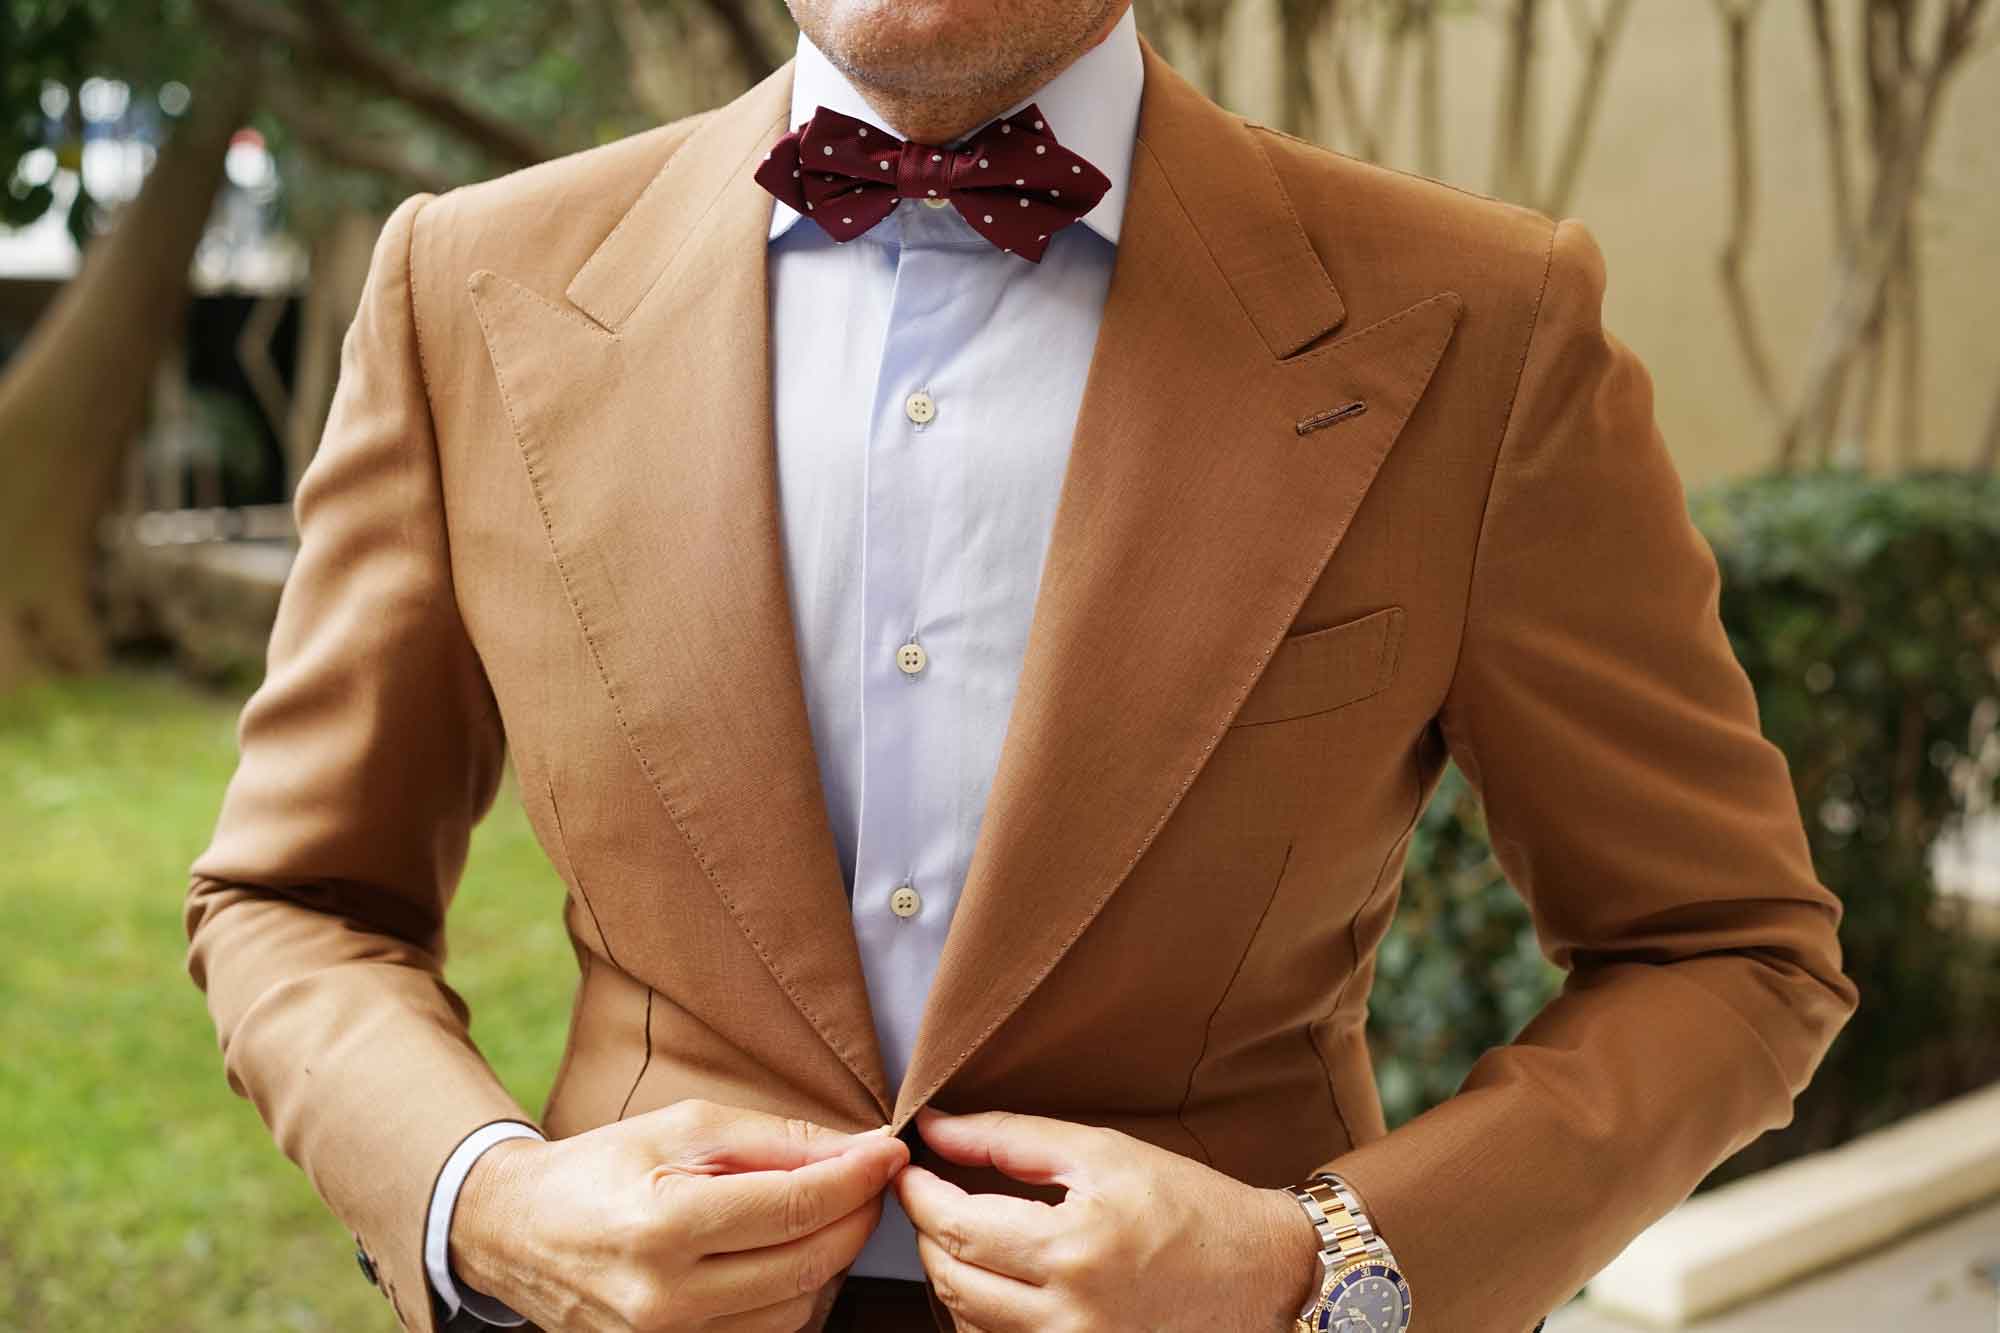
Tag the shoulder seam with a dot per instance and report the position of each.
(674, 133)
(424, 200)
(1396, 171)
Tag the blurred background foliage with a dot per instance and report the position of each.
(1823, 161)
(1866, 612)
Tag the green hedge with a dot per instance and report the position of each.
(1867, 614)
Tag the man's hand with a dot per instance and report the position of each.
(692, 1216)
(1144, 1239)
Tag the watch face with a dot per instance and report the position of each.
(1368, 1297)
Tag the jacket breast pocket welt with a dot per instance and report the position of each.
(1324, 669)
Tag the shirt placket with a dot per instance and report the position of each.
(905, 885)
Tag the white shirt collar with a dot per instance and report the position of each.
(1092, 107)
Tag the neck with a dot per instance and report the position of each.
(949, 114)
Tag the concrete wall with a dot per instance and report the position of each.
(1654, 193)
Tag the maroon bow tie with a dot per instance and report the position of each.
(1012, 181)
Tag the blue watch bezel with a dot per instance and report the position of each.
(1338, 1284)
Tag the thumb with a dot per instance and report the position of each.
(1031, 1148)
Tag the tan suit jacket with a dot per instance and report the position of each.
(1359, 484)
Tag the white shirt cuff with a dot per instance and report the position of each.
(437, 1224)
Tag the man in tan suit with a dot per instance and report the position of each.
(1238, 492)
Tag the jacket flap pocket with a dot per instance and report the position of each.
(1323, 669)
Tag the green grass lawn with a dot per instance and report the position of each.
(137, 1191)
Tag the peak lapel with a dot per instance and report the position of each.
(1195, 516)
(645, 426)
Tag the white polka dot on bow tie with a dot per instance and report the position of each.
(989, 217)
(847, 219)
(1006, 129)
(1024, 203)
(1038, 124)
(809, 205)
(1041, 148)
(828, 150)
(1053, 194)
(1020, 181)
(1043, 237)
(795, 173)
(883, 165)
(937, 157)
(1076, 170)
(864, 130)
(933, 192)
(982, 161)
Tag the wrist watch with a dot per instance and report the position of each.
(1359, 1288)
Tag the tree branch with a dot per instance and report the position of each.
(326, 136)
(1601, 40)
(1389, 81)
(758, 59)
(1514, 127)
(1346, 88)
(649, 57)
(1833, 108)
(1430, 92)
(341, 43)
(1737, 18)
(1905, 126)
(1905, 300)
(1873, 354)
(1988, 457)
(332, 41)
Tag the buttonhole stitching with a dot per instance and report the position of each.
(1330, 416)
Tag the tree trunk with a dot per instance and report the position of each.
(1300, 28)
(1514, 146)
(1988, 457)
(338, 272)
(76, 393)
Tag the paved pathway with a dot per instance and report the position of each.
(1939, 1281)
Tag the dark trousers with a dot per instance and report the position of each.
(882, 1305)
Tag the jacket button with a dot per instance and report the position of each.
(367, 1264)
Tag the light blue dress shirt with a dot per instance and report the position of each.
(925, 391)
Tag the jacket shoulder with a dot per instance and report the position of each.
(539, 223)
(1389, 238)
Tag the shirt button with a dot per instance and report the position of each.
(937, 203)
(920, 407)
(911, 658)
(904, 902)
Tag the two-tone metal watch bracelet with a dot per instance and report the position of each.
(1345, 1233)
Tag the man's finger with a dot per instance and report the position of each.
(751, 1209)
(739, 1280)
(707, 1138)
(980, 1298)
(1031, 1148)
(995, 1231)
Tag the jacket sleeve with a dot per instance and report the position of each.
(1653, 832)
(315, 917)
